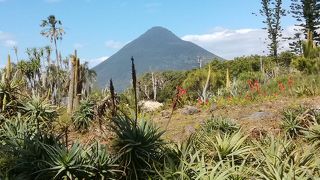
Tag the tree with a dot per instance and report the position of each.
(272, 11)
(296, 43)
(54, 31)
(307, 13)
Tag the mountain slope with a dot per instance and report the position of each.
(157, 49)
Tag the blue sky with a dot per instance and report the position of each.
(98, 28)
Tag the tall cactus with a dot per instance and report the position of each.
(6, 79)
(77, 89)
(8, 68)
(228, 82)
(72, 84)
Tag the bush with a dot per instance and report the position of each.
(307, 65)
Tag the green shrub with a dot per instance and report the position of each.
(307, 65)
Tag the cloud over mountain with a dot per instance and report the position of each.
(230, 43)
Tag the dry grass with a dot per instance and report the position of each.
(182, 125)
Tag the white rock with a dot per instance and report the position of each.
(150, 106)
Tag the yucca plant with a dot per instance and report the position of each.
(138, 146)
(84, 116)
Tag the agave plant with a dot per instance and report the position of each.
(139, 146)
(83, 117)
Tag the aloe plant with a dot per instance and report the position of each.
(138, 146)
(64, 163)
(313, 135)
(84, 116)
(40, 112)
(219, 125)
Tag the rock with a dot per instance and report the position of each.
(213, 107)
(165, 113)
(188, 130)
(258, 133)
(189, 110)
(150, 106)
(316, 110)
(258, 116)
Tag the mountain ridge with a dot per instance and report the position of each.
(157, 49)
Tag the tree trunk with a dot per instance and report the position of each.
(154, 86)
(204, 92)
(56, 49)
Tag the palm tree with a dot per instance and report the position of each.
(15, 48)
(86, 79)
(54, 31)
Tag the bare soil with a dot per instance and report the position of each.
(255, 119)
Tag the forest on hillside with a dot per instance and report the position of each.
(55, 123)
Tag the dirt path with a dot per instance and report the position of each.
(253, 118)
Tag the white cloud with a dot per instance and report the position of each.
(10, 43)
(7, 40)
(96, 61)
(230, 43)
(114, 44)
